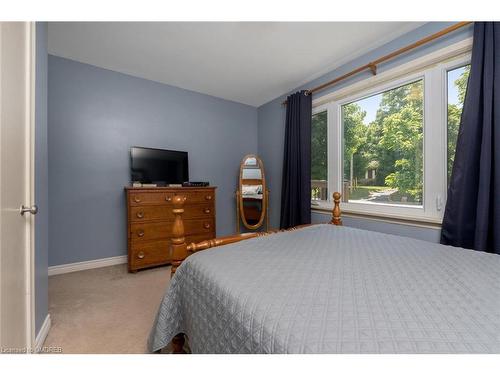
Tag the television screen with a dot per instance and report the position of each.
(161, 167)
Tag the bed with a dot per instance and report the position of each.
(329, 289)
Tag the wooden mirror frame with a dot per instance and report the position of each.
(240, 212)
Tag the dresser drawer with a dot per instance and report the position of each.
(149, 198)
(159, 197)
(163, 230)
(164, 212)
(197, 197)
(151, 253)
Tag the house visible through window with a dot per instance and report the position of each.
(389, 144)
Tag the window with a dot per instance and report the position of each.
(383, 147)
(319, 157)
(457, 85)
(388, 143)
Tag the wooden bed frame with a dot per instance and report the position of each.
(181, 250)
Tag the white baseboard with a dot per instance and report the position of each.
(87, 265)
(42, 334)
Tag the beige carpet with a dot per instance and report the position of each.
(104, 310)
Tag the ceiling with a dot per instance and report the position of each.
(246, 62)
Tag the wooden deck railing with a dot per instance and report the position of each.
(319, 190)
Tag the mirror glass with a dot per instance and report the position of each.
(252, 193)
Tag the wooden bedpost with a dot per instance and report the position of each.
(179, 253)
(336, 220)
(179, 247)
(178, 344)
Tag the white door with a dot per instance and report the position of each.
(16, 178)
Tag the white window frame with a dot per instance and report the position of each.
(330, 139)
(433, 69)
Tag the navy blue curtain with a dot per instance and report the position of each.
(296, 179)
(472, 215)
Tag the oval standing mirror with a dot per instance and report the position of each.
(252, 195)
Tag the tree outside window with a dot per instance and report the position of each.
(319, 157)
(457, 86)
(383, 143)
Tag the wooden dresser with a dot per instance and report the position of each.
(150, 220)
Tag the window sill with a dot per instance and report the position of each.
(426, 222)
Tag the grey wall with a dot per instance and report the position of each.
(95, 116)
(41, 179)
(271, 118)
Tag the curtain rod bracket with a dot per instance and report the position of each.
(373, 68)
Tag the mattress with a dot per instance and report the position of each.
(333, 289)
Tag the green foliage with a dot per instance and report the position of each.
(454, 115)
(319, 157)
(461, 84)
(394, 139)
(354, 129)
(354, 133)
(402, 134)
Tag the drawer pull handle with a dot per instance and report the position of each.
(168, 199)
(137, 199)
(208, 197)
(207, 210)
(140, 255)
(140, 233)
(140, 215)
(206, 226)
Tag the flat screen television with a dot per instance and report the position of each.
(161, 167)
